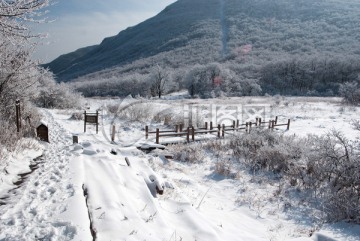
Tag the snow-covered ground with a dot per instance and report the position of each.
(85, 192)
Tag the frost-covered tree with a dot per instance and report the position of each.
(19, 74)
(159, 79)
(350, 91)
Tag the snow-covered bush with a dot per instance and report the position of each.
(192, 153)
(223, 167)
(265, 150)
(137, 112)
(332, 172)
(350, 91)
(53, 95)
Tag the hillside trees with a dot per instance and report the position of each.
(315, 76)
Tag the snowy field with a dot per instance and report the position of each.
(85, 192)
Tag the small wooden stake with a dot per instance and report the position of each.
(188, 134)
(113, 133)
(157, 135)
(193, 133)
(146, 132)
(288, 125)
(127, 161)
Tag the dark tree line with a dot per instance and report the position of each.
(308, 76)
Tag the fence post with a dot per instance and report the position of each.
(206, 125)
(181, 127)
(219, 129)
(272, 124)
(250, 125)
(276, 119)
(211, 125)
(97, 121)
(113, 133)
(269, 124)
(157, 135)
(233, 125)
(288, 125)
(18, 118)
(85, 121)
(188, 134)
(247, 127)
(237, 123)
(192, 133)
(223, 130)
(177, 128)
(146, 132)
(259, 121)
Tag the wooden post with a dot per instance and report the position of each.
(188, 134)
(18, 118)
(257, 121)
(247, 127)
(146, 132)
(127, 161)
(219, 129)
(211, 125)
(288, 125)
(157, 135)
(250, 125)
(113, 133)
(85, 121)
(276, 119)
(97, 121)
(223, 130)
(272, 124)
(181, 127)
(176, 128)
(193, 133)
(75, 139)
(233, 125)
(269, 124)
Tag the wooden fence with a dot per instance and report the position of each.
(220, 130)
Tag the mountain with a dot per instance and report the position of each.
(166, 31)
(258, 40)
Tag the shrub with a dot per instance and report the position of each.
(188, 153)
(350, 91)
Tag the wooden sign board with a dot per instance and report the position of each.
(43, 132)
(91, 118)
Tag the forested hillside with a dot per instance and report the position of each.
(227, 47)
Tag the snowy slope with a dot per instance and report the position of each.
(83, 192)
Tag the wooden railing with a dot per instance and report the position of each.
(191, 132)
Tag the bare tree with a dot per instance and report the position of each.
(159, 80)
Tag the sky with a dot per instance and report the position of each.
(73, 24)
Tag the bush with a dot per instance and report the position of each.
(53, 95)
(350, 91)
(193, 153)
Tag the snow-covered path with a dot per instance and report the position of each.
(30, 213)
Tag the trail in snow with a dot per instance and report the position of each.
(31, 211)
